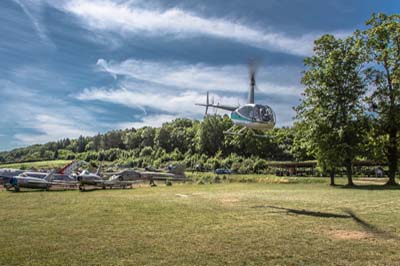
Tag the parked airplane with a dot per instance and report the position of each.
(65, 174)
(128, 177)
(174, 173)
(87, 178)
(92, 179)
(6, 174)
(25, 181)
(250, 115)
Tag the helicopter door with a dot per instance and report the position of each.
(247, 112)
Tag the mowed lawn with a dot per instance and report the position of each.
(188, 224)
(37, 165)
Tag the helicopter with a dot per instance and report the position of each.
(251, 115)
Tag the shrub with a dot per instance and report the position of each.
(260, 166)
(146, 151)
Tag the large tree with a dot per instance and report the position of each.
(210, 135)
(331, 110)
(382, 43)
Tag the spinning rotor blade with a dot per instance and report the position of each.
(253, 67)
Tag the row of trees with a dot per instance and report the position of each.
(351, 104)
(185, 137)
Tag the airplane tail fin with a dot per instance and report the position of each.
(99, 170)
(70, 168)
(50, 176)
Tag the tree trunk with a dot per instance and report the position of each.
(349, 171)
(332, 175)
(392, 157)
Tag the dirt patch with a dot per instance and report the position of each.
(182, 195)
(371, 181)
(348, 235)
(229, 200)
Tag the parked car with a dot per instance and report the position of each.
(223, 171)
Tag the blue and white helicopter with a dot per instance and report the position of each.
(251, 115)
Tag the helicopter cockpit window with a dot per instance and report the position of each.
(263, 113)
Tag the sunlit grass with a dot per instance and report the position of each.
(37, 165)
(210, 224)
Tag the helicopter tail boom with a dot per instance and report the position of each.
(223, 107)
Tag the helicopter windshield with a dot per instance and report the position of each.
(263, 113)
(257, 113)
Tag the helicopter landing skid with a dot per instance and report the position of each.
(231, 132)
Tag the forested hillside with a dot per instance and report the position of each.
(192, 142)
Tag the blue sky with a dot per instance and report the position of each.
(79, 67)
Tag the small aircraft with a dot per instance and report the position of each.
(34, 179)
(250, 115)
(91, 179)
(65, 174)
(95, 179)
(128, 177)
(25, 181)
(174, 173)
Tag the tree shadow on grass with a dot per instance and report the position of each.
(370, 228)
(349, 214)
(90, 190)
(38, 191)
(370, 187)
(305, 212)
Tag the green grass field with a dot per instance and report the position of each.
(37, 165)
(190, 224)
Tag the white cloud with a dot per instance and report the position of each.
(126, 18)
(52, 127)
(39, 118)
(151, 120)
(203, 77)
(182, 103)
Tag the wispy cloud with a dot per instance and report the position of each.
(52, 127)
(33, 10)
(157, 98)
(204, 77)
(39, 118)
(126, 18)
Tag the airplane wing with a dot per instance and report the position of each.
(37, 182)
(121, 183)
(162, 176)
(64, 183)
(99, 181)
